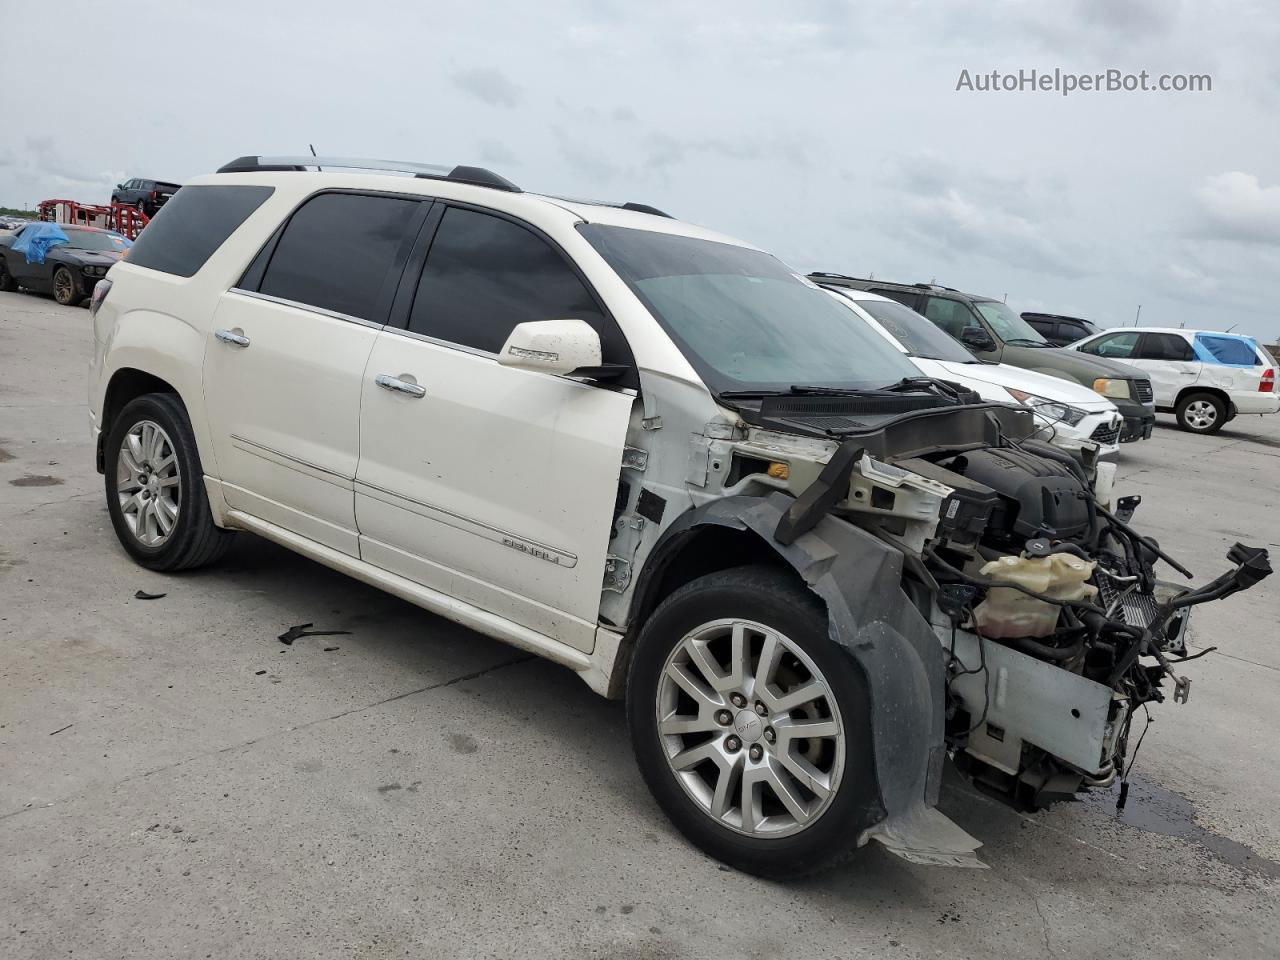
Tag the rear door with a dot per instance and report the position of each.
(493, 485)
(286, 359)
(1167, 358)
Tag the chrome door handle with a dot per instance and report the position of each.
(400, 386)
(235, 339)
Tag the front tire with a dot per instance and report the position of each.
(750, 726)
(7, 283)
(1201, 413)
(155, 487)
(65, 289)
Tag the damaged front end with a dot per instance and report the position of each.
(1002, 612)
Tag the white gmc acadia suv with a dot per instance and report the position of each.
(652, 454)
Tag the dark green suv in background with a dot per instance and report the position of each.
(992, 331)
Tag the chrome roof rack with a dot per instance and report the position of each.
(476, 176)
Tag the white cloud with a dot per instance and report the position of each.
(1236, 206)
(492, 86)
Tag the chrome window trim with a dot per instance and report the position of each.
(461, 347)
(310, 308)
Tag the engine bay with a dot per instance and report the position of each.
(1057, 633)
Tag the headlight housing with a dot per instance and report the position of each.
(1115, 389)
(1052, 410)
(92, 271)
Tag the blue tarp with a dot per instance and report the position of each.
(37, 239)
(1227, 349)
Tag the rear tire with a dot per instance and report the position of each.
(155, 487)
(1201, 413)
(744, 727)
(7, 283)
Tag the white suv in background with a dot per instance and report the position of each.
(1070, 416)
(1204, 377)
(652, 454)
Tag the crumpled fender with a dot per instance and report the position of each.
(859, 578)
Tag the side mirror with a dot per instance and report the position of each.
(551, 346)
(977, 338)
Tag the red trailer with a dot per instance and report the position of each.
(123, 219)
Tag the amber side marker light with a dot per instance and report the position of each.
(779, 471)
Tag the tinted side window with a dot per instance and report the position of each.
(484, 275)
(951, 315)
(904, 297)
(1164, 346)
(337, 251)
(192, 225)
(1119, 345)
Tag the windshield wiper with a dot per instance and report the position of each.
(1029, 342)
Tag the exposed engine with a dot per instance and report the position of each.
(1055, 630)
(1041, 573)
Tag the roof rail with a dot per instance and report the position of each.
(477, 176)
(826, 275)
(634, 207)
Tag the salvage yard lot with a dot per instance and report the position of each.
(175, 781)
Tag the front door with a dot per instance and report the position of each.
(494, 485)
(285, 362)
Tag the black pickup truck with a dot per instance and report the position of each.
(147, 195)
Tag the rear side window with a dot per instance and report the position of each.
(1164, 346)
(903, 297)
(485, 274)
(338, 251)
(1229, 350)
(192, 225)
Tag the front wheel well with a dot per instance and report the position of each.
(694, 553)
(127, 384)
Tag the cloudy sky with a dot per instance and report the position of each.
(830, 133)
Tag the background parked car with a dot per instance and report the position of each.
(1070, 415)
(69, 268)
(147, 195)
(1060, 330)
(992, 331)
(1204, 377)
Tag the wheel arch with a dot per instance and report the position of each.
(1188, 391)
(683, 555)
(151, 352)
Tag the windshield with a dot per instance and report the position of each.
(102, 242)
(743, 319)
(918, 335)
(1008, 326)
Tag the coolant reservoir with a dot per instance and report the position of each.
(1010, 613)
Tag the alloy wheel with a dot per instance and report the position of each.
(148, 483)
(1201, 414)
(750, 728)
(63, 286)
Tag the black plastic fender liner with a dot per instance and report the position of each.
(859, 578)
